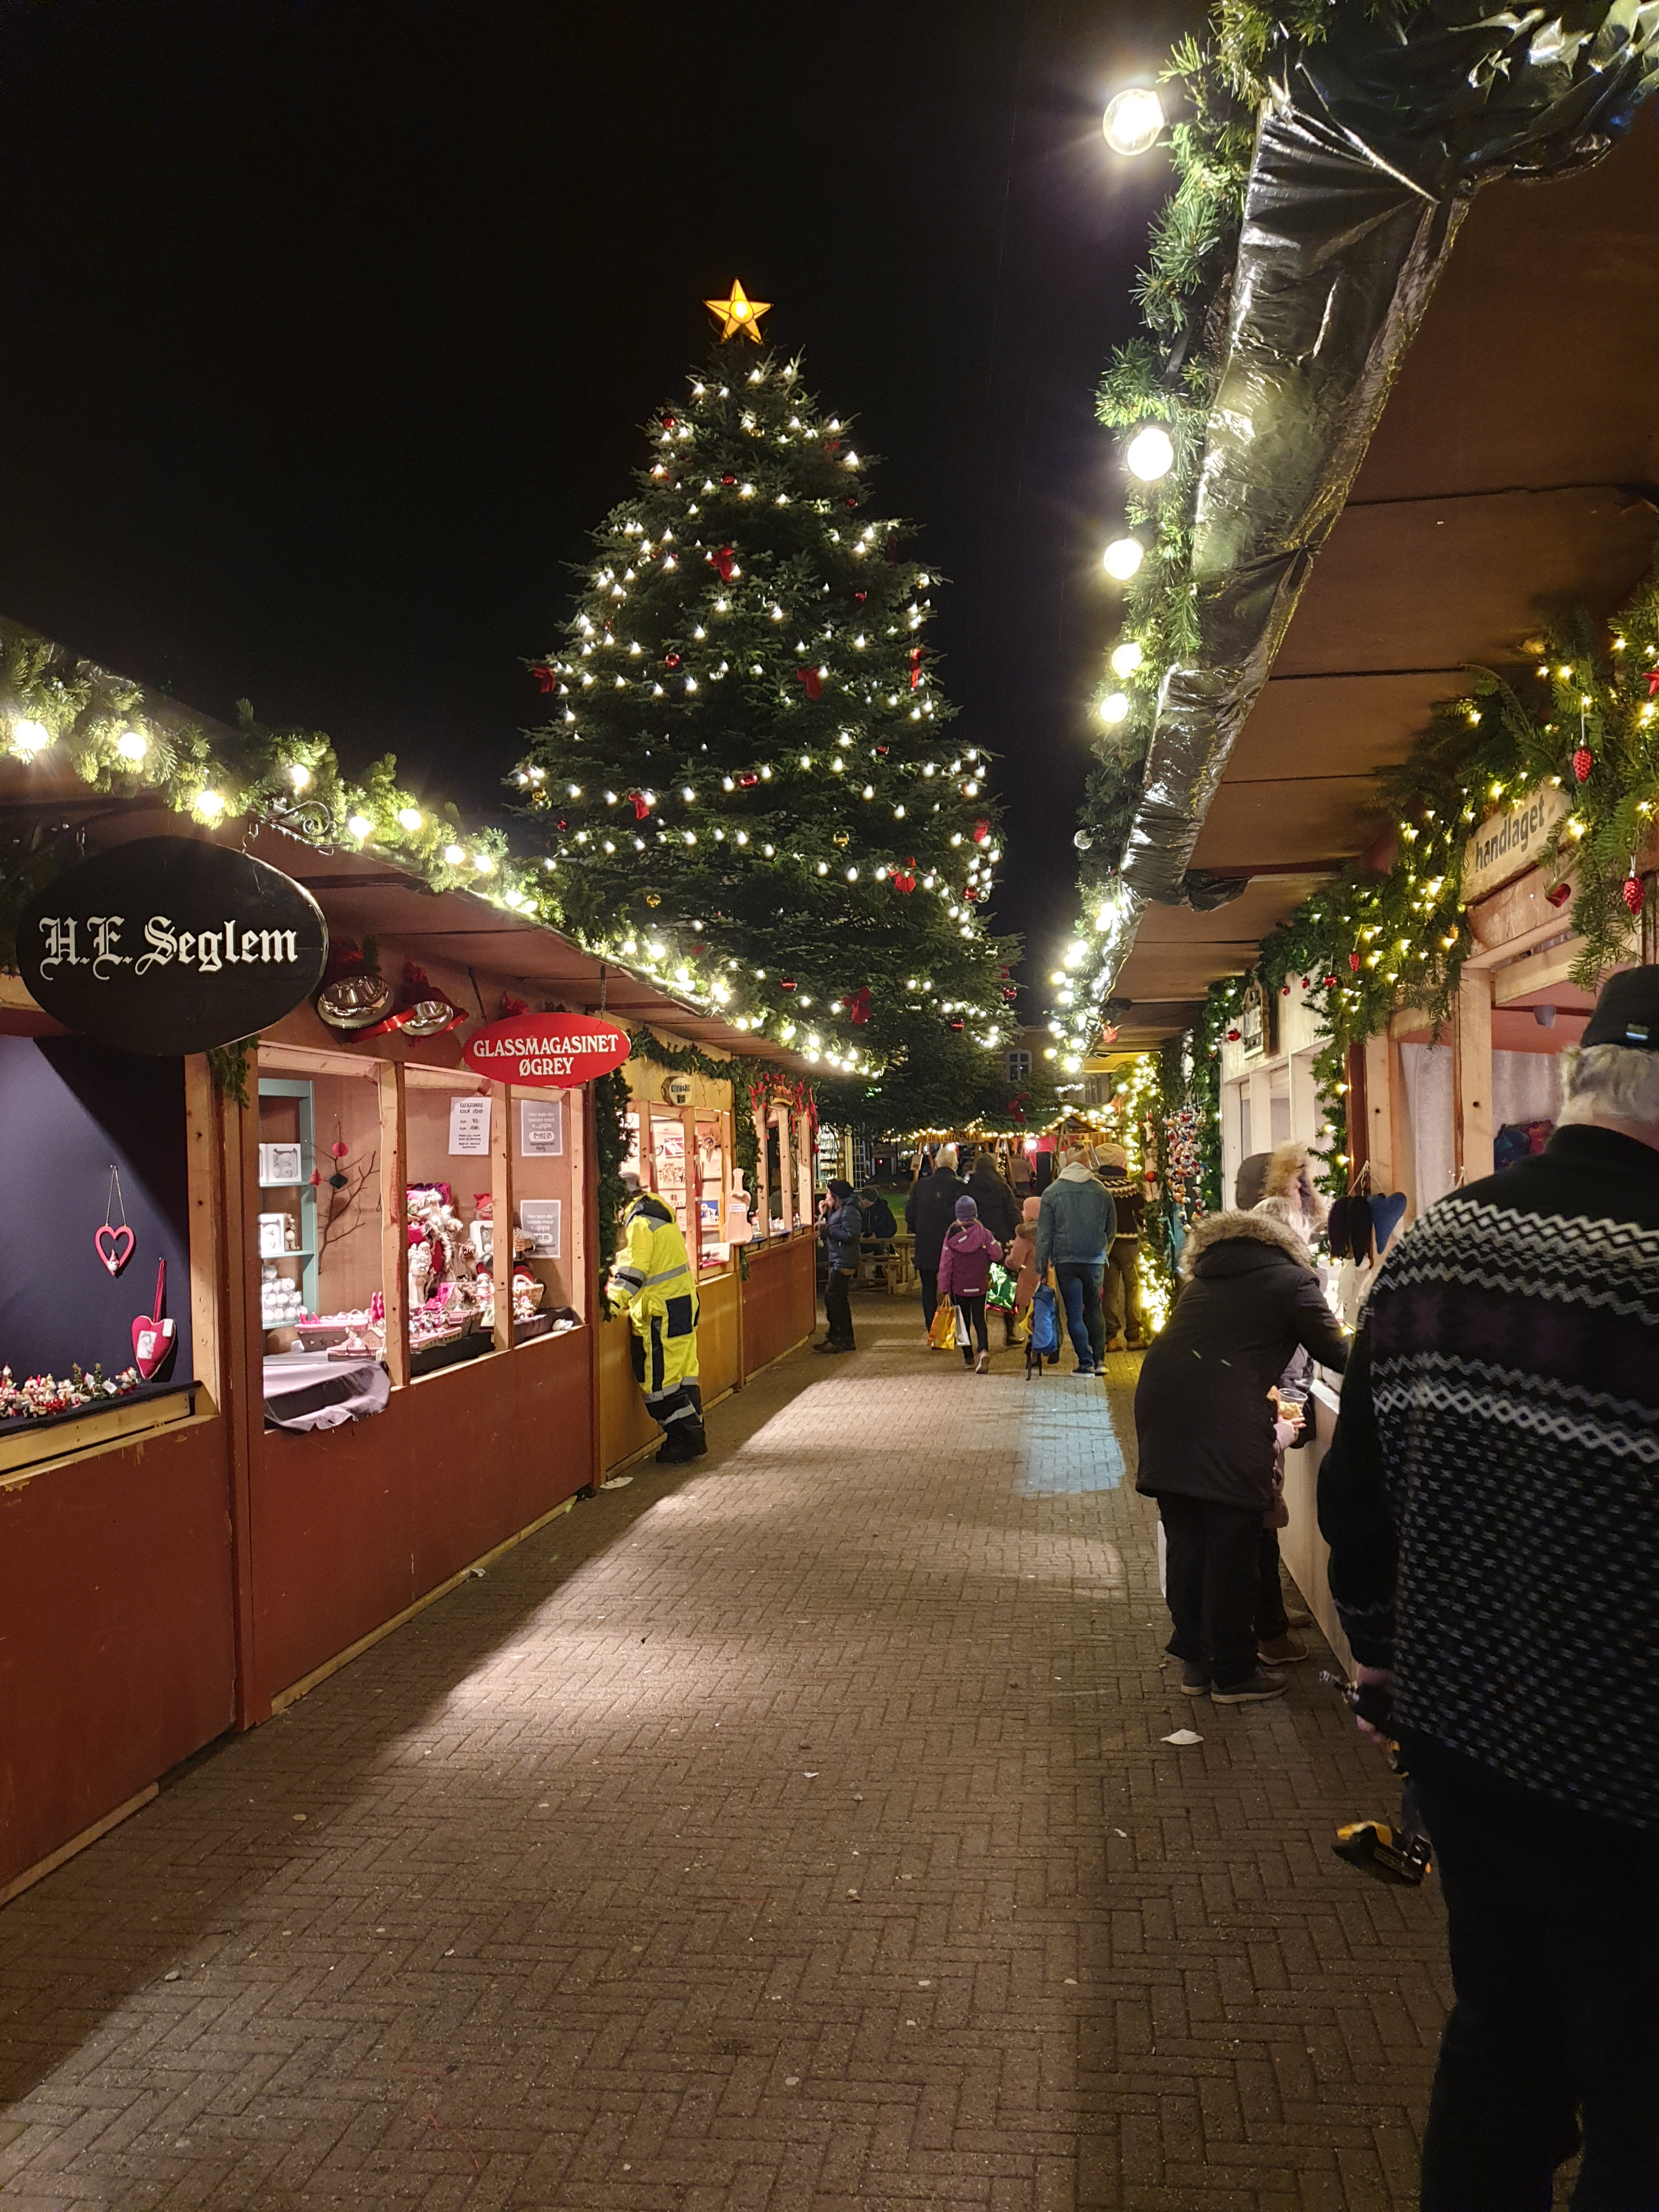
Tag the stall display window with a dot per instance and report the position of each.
(94, 1180)
(448, 1206)
(712, 1184)
(669, 1167)
(317, 1219)
(548, 1269)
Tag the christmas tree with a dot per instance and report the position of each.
(748, 784)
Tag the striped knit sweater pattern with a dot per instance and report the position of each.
(1511, 1565)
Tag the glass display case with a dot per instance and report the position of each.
(319, 1212)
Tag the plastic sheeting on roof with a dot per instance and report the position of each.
(1371, 147)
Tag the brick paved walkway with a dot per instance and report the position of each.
(796, 1834)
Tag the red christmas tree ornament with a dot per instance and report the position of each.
(1583, 761)
(969, 893)
(832, 444)
(882, 751)
(906, 881)
(785, 983)
(916, 653)
(1284, 990)
(954, 1024)
(671, 661)
(728, 480)
(981, 833)
(1010, 995)
(812, 680)
(850, 501)
(1353, 962)
(670, 421)
(1559, 894)
(749, 778)
(726, 560)
(546, 678)
(1233, 1035)
(1330, 982)
(1633, 893)
(857, 1004)
(861, 597)
(640, 804)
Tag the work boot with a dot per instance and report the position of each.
(1283, 1651)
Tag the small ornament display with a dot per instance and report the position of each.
(113, 1246)
(1583, 760)
(44, 1394)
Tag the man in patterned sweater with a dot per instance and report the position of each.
(1492, 1504)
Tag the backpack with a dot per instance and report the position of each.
(1045, 1324)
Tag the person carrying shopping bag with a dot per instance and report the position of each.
(964, 1275)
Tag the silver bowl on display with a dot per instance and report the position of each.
(355, 1001)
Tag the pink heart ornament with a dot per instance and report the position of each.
(152, 1341)
(115, 1253)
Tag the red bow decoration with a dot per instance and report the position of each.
(857, 1006)
(726, 560)
(546, 677)
(641, 806)
(1653, 682)
(981, 833)
(812, 680)
(917, 653)
(861, 597)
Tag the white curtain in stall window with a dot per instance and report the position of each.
(1426, 1070)
(1526, 1086)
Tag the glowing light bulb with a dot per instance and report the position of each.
(299, 775)
(409, 819)
(360, 825)
(1132, 120)
(133, 744)
(1149, 454)
(29, 738)
(1123, 557)
(1114, 708)
(1126, 658)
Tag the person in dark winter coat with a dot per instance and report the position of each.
(998, 1209)
(843, 1225)
(1205, 1422)
(1490, 1502)
(929, 1211)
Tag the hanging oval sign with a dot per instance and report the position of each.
(170, 945)
(548, 1051)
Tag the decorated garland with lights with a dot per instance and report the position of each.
(746, 785)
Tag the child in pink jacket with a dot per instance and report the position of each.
(964, 1274)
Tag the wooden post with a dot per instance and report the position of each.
(501, 1210)
(394, 1238)
(242, 1373)
(1471, 1076)
(1380, 1101)
(597, 1255)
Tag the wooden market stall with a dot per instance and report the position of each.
(191, 1556)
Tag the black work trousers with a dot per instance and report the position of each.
(1272, 1621)
(929, 1279)
(1553, 1927)
(1212, 1572)
(838, 1308)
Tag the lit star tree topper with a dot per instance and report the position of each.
(748, 784)
(738, 313)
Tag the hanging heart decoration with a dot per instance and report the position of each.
(152, 1337)
(113, 1246)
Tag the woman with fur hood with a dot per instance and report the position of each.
(1206, 1430)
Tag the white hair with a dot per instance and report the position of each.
(1610, 1082)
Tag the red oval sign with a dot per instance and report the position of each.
(551, 1051)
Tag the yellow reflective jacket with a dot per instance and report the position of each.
(652, 1275)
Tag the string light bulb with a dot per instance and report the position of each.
(1133, 121)
(1126, 659)
(1149, 454)
(133, 744)
(1122, 557)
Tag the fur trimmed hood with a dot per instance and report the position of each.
(1231, 1228)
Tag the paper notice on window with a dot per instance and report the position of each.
(543, 1218)
(469, 1129)
(541, 1127)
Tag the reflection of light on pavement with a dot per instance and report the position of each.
(1069, 1445)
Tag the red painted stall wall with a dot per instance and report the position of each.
(352, 1525)
(780, 1300)
(116, 1647)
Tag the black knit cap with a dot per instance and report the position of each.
(1627, 1011)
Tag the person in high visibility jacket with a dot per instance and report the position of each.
(652, 1277)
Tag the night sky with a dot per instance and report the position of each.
(329, 328)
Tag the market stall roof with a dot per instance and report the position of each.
(1514, 473)
(367, 893)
